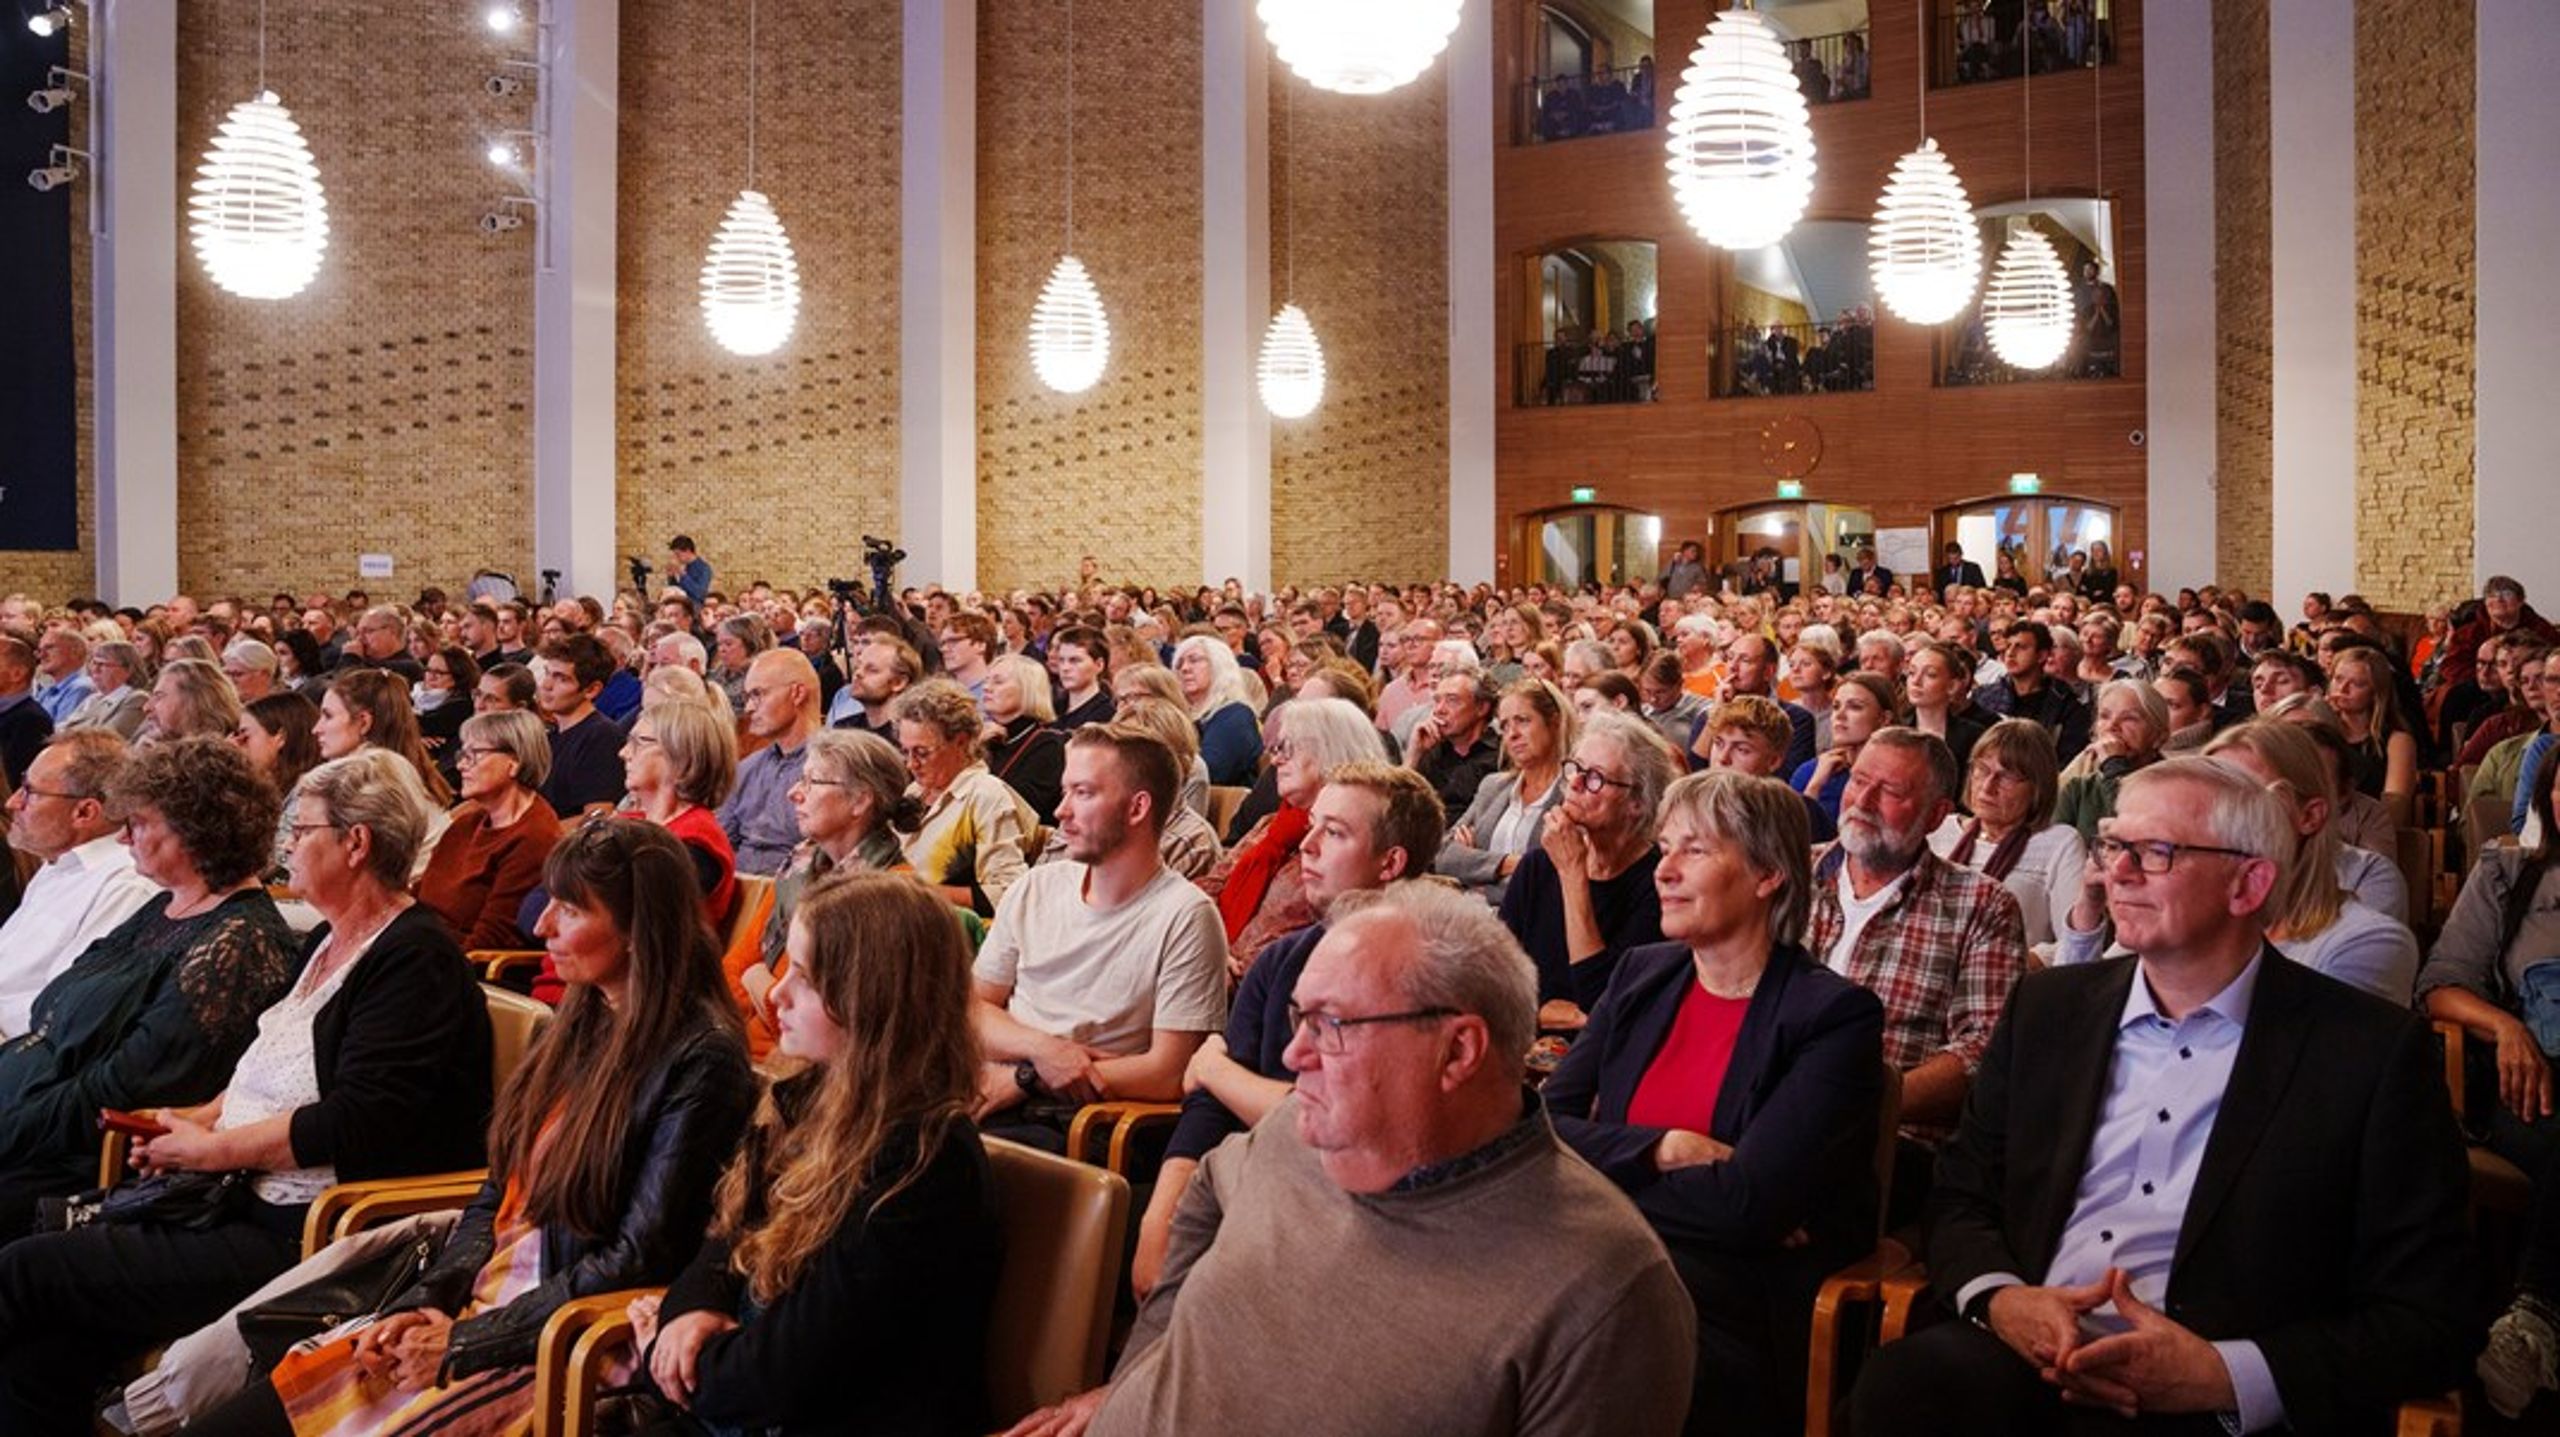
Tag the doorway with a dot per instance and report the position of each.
(1587, 543)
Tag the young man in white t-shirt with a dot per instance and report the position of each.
(1101, 975)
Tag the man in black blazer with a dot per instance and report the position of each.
(1958, 570)
(2203, 1189)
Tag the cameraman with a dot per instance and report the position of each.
(688, 570)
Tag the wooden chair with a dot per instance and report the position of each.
(2497, 1186)
(1223, 803)
(350, 1208)
(1065, 1225)
(2412, 849)
(1121, 1123)
(1862, 1282)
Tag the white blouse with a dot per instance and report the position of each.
(2046, 881)
(280, 1074)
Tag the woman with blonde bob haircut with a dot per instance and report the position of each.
(853, 1258)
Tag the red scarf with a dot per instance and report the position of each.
(1257, 863)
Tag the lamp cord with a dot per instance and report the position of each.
(751, 93)
(1071, 126)
(262, 46)
(1289, 189)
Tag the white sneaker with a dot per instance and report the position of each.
(2522, 1358)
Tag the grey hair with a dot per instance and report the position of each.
(376, 790)
(1226, 678)
(2239, 812)
(520, 736)
(1464, 959)
(2155, 709)
(1884, 639)
(1594, 653)
(251, 654)
(1941, 759)
(1651, 761)
(865, 760)
(1764, 819)
(1333, 730)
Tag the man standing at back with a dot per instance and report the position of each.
(2202, 1185)
(688, 570)
(1101, 975)
(1402, 1247)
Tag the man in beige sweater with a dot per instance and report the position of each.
(1402, 1246)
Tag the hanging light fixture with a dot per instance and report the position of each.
(259, 217)
(750, 281)
(2026, 311)
(1924, 247)
(1741, 137)
(1070, 333)
(1291, 369)
(1359, 47)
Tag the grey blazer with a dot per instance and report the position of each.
(1480, 869)
(123, 713)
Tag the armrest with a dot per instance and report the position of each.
(1124, 1121)
(583, 1334)
(2432, 1416)
(1901, 1292)
(1860, 1282)
(496, 963)
(352, 1207)
(113, 1151)
(2453, 1037)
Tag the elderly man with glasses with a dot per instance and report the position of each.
(2201, 1188)
(85, 884)
(62, 672)
(1341, 1267)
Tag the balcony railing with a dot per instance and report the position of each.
(1971, 42)
(1569, 107)
(1758, 361)
(1579, 372)
(1830, 68)
(1966, 359)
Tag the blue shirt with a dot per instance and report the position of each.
(58, 700)
(2164, 1091)
(2536, 750)
(695, 579)
(760, 822)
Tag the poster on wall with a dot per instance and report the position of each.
(39, 485)
(1904, 551)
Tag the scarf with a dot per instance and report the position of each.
(1257, 863)
(2004, 857)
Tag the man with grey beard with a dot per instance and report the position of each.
(1942, 945)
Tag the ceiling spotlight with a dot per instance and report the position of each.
(502, 86)
(52, 177)
(46, 101)
(501, 153)
(50, 22)
(499, 222)
(503, 19)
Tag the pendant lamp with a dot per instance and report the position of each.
(1290, 370)
(750, 281)
(1741, 137)
(1359, 47)
(1070, 333)
(257, 211)
(1924, 247)
(2026, 311)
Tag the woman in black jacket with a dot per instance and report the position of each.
(374, 1064)
(848, 1277)
(601, 1160)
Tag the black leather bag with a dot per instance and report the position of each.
(193, 1201)
(271, 1328)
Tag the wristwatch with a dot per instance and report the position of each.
(1978, 1311)
(1026, 1076)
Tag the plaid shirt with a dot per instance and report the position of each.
(1943, 956)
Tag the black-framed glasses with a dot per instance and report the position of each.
(813, 781)
(299, 829)
(2156, 856)
(66, 795)
(474, 752)
(1327, 1030)
(1582, 778)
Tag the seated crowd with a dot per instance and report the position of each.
(1541, 994)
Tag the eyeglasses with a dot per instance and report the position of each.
(1278, 750)
(1326, 1030)
(299, 829)
(473, 753)
(643, 740)
(66, 795)
(1584, 779)
(807, 781)
(2156, 856)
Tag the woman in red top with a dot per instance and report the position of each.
(1731, 1085)
(491, 855)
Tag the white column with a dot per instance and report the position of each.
(1471, 296)
(2177, 140)
(2517, 348)
(574, 515)
(938, 305)
(134, 288)
(2311, 85)
(1235, 295)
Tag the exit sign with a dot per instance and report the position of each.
(1584, 493)
(2025, 484)
(1790, 488)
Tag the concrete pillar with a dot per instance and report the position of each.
(574, 515)
(2311, 86)
(134, 279)
(938, 306)
(1235, 295)
(2177, 138)
(2517, 307)
(1472, 375)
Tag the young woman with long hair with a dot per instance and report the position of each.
(602, 1157)
(846, 1282)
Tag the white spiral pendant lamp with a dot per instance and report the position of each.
(259, 217)
(1291, 371)
(1359, 47)
(2026, 313)
(750, 282)
(1741, 137)
(1925, 250)
(1070, 334)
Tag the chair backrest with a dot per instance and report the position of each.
(753, 890)
(1064, 1225)
(514, 1022)
(1223, 803)
(1888, 1134)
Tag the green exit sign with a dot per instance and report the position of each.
(1584, 494)
(2025, 484)
(1790, 489)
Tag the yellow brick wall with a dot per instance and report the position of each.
(777, 464)
(2414, 303)
(1361, 486)
(1114, 471)
(2244, 299)
(387, 408)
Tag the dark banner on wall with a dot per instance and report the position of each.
(39, 474)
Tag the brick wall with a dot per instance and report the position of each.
(776, 464)
(2414, 296)
(387, 407)
(2244, 299)
(1113, 471)
(1361, 486)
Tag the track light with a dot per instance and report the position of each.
(500, 221)
(503, 86)
(50, 99)
(50, 22)
(54, 176)
(502, 154)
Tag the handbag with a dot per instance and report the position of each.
(271, 1328)
(189, 1200)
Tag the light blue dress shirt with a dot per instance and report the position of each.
(2537, 752)
(58, 700)
(2164, 1090)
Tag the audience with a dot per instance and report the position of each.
(778, 711)
(1257, 884)
(968, 842)
(1584, 895)
(1213, 690)
(681, 761)
(62, 673)
(2025, 689)
(85, 884)
(491, 855)
(2131, 727)
(586, 747)
(2005, 832)
(1488, 844)
(1025, 749)
(1862, 704)
(114, 703)
(1454, 748)
(24, 725)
